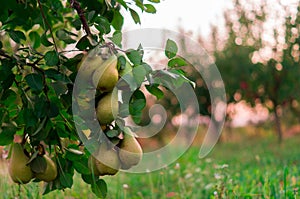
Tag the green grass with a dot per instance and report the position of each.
(256, 168)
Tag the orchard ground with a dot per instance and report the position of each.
(247, 163)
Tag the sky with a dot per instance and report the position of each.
(192, 15)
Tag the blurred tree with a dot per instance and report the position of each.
(260, 64)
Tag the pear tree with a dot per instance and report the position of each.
(45, 46)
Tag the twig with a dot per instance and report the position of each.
(75, 4)
(2, 53)
(47, 24)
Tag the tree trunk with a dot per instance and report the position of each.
(278, 126)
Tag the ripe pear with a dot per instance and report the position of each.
(107, 160)
(106, 76)
(105, 109)
(130, 151)
(88, 65)
(51, 171)
(17, 168)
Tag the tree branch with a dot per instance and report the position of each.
(47, 24)
(75, 4)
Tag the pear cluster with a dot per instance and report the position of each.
(102, 75)
(20, 170)
(109, 158)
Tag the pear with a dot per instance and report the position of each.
(130, 151)
(107, 160)
(86, 68)
(17, 168)
(51, 171)
(105, 109)
(106, 76)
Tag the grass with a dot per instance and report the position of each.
(256, 168)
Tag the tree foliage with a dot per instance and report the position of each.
(42, 43)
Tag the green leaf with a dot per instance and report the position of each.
(53, 110)
(20, 131)
(29, 117)
(45, 41)
(99, 188)
(138, 101)
(8, 81)
(91, 15)
(65, 36)
(7, 135)
(56, 75)
(35, 81)
(66, 179)
(135, 16)
(61, 130)
(112, 133)
(84, 43)
(82, 166)
(136, 105)
(89, 179)
(154, 1)
(177, 62)
(134, 56)
(77, 24)
(150, 8)
(103, 25)
(139, 3)
(154, 90)
(126, 80)
(171, 49)
(139, 74)
(182, 77)
(17, 36)
(59, 87)
(70, 155)
(117, 21)
(121, 62)
(117, 38)
(51, 58)
(123, 3)
(8, 96)
(40, 106)
(35, 39)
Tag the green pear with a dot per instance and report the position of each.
(107, 160)
(17, 168)
(51, 171)
(130, 151)
(106, 76)
(105, 109)
(86, 68)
